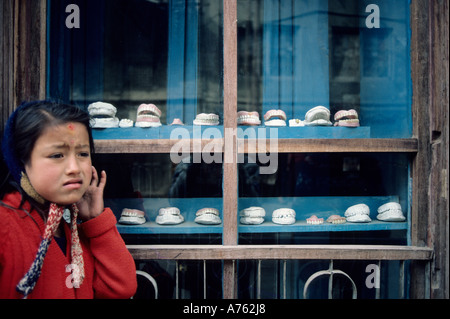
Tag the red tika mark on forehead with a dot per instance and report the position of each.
(71, 127)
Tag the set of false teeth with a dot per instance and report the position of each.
(275, 118)
(148, 115)
(206, 119)
(131, 216)
(283, 216)
(103, 115)
(255, 215)
(389, 212)
(252, 215)
(333, 219)
(320, 116)
(248, 118)
(169, 216)
(208, 216)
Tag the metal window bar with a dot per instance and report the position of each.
(259, 253)
(331, 271)
(150, 279)
(177, 280)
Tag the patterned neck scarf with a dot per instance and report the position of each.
(27, 283)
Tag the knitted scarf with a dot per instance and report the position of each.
(27, 283)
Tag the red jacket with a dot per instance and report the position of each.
(110, 271)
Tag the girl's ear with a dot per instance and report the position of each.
(29, 189)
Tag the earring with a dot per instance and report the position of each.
(29, 189)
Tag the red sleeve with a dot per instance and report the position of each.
(115, 270)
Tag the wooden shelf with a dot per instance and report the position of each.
(166, 139)
(301, 252)
(356, 145)
(404, 145)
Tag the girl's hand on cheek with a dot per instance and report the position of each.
(91, 204)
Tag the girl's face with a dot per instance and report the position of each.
(60, 167)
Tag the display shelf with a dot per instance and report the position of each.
(195, 131)
(164, 138)
(301, 132)
(323, 207)
(187, 227)
(302, 227)
(161, 132)
(187, 206)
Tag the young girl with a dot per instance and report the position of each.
(52, 191)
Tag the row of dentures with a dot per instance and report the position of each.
(317, 116)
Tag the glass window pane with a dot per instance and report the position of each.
(162, 52)
(322, 185)
(344, 55)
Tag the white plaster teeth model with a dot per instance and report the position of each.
(208, 216)
(252, 215)
(318, 116)
(125, 123)
(314, 220)
(346, 118)
(296, 123)
(336, 219)
(248, 118)
(103, 115)
(283, 216)
(390, 212)
(132, 217)
(358, 214)
(275, 118)
(169, 216)
(206, 119)
(148, 115)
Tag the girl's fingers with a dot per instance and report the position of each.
(102, 183)
(94, 179)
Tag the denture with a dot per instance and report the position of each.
(347, 118)
(283, 216)
(390, 212)
(318, 116)
(208, 216)
(314, 220)
(275, 118)
(176, 121)
(206, 119)
(252, 215)
(148, 115)
(358, 214)
(296, 123)
(248, 118)
(275, 113)
(169, 216)
(336, 219)
(125, 123)
(103, 115)
(132, 217)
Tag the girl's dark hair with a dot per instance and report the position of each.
(30, 121)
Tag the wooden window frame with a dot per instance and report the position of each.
(23, 41)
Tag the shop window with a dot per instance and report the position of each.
(320, 74)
